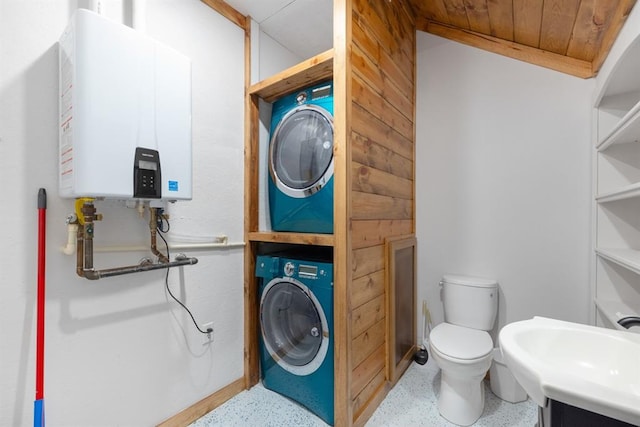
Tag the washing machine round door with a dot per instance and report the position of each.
(301, 151)
(294, 327)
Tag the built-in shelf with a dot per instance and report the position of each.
(614, 311)
(304, 74)
(314, 70)
(296, 238)
(627, 258)
(627, 192)
(627, 130)
(616, 172)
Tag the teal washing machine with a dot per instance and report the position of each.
(301, 161)
(296, 322)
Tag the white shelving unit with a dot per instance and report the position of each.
(625, 131)
(628, 192)
(617, 188)
(614, 311)
(626, 258)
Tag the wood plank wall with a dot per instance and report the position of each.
(382, 178)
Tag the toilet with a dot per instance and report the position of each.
(462, 347)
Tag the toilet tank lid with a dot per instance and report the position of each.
(478, 282)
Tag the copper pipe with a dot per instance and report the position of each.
(84, 241)
(153, 224)
(80, 252)
(89, 214)
(84, 250)
(118, 271)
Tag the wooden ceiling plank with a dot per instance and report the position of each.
(501, 19)
(433, 10)
(513, 50)
(457, 13)
(594, 16)
(527, 19)
(478, 16)
(558, 18)
(572, 36)
(410, 15)
(619, 18)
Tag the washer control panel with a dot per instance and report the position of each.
(310, 271)
(270, 267)
(289, 269)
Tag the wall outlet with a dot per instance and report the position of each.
(209, 335)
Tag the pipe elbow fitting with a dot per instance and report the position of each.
(70, 247)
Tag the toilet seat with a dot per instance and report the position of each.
(461, 343)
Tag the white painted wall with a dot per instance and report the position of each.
(503, 191)
(118, 351)
(503, 180)
(272, 58)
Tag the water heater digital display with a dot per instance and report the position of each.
(146, 174)
(124, 113)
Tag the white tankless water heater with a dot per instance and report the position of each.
(125, 114)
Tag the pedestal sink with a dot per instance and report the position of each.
(588, 367)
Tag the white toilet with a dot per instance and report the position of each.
(462, 347)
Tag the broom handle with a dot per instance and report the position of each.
(42, 212)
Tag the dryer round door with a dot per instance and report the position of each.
(294, 328)
(301, 151)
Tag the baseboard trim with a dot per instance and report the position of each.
(206, 405)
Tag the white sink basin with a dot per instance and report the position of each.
(589, 367)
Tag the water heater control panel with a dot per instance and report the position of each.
(146, 174)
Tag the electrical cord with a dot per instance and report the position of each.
(160, 220)
(160, 230)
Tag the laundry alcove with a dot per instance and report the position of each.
(372, 66)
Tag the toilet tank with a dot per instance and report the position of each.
(471, 302)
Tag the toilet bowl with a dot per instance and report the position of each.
(462, 347)
(464, 356)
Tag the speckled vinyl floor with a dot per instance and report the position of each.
(412, 402)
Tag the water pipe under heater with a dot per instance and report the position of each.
(214, 243)
(86, 216)
(72, 232)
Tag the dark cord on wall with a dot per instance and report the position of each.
(161, 230)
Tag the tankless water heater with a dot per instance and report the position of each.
(125, 113)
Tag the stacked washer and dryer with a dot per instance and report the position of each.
(301, 161)
(296, 287)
